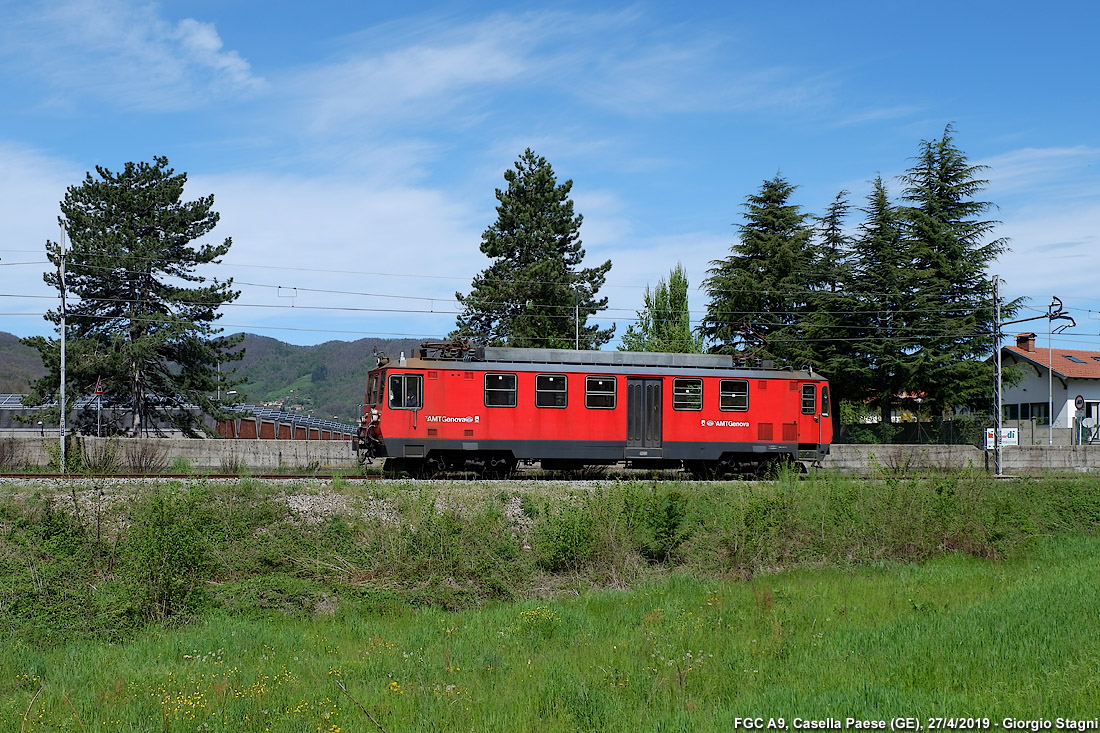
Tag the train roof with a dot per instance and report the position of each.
(434, 355)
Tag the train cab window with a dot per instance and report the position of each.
(406, 391)
(500, 390)
(373, 391)
(687, 394)
(733, 395)
(824, 400)
(809, 399)
(599, 393)
(551, 390)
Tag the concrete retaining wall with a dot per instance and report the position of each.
(268, 455)
(227, 456)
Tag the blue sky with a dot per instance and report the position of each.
(353, 149)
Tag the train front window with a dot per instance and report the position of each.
(551, 390)
(406, 391)
(809, 399)
(500, 390)
(687, 394)
(733, 395)
(373, 384)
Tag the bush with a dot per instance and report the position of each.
(165, 557)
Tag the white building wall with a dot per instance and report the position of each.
(1035, 387)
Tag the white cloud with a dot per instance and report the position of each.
(123, 52)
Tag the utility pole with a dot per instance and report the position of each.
(1054, 313)
(998, 399)
(61, 279)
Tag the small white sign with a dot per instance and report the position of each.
(1009, 436)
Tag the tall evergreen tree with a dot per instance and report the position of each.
(887, 310)
(759, 294)
(535, 293)
(132, 321)
(953, 249)
(827, 326)
(664, 323)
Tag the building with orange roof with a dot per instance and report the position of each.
(1068, 378)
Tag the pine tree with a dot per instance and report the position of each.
(952, 252)
(535, 293)
(886, 312)
(758, 295)
(829, 334)
(132, 322)
(664, 323)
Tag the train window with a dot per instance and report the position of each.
(406, 391)
(372, 389)
(824, 400)
(687, 394)
(550, 390)
(733, 395)
(809, 399)
(599, 392)
(500, 390)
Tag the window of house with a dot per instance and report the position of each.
(733, 395)
(551, 390)
(500, 390)
(1010, 412)
(406, 391)
(687, 394)
(599, 393)
(1074, 359)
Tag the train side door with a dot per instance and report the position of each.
(643, 418)
(809, 408)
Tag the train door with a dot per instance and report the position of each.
(815, 426)
(812, 431)
(643, 418)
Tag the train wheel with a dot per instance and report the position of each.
(395, 467)
(703, 470)
(499, 467)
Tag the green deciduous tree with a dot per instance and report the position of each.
(535, 293)
(664, 323)
(133, 320)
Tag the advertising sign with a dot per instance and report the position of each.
(1009, 436)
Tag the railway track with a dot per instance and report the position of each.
(185, 476)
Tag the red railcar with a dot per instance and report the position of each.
(486, 409)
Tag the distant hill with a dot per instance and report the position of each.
(19, 365)
(326, 380)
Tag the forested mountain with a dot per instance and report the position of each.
(326, 380)
(19, 364)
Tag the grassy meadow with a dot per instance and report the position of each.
(622, 605)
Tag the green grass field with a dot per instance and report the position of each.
(671, 615)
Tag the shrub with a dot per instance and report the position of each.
(166, 554)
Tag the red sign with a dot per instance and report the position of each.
(99, 386)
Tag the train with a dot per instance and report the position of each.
(457, 407)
